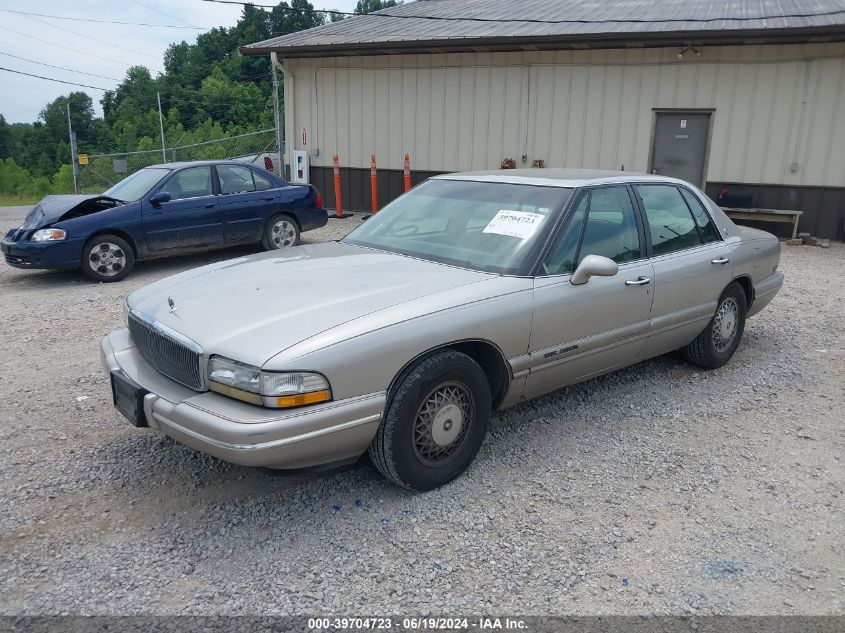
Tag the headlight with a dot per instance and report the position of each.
(48, 235)
(269, 389)
(293, 389)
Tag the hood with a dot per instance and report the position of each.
(54, 208)
(251, 308)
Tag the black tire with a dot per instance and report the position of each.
(107, 258)
(404, 456)
(711, 350)
(281, 231)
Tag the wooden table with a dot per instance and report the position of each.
(766, 215)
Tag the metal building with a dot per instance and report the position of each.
(724, 93)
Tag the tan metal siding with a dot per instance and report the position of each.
(773, 106)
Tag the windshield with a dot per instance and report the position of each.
(137, 185)
(492, 227)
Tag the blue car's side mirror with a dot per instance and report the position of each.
(157, 198)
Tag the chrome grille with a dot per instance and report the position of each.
(175, 358)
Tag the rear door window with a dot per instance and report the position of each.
(708, 230)
(261, 183)
(235, 179)
(669, 219)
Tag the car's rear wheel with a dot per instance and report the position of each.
(107, 258)
(435, 422)
(717, 343)
(281, 231)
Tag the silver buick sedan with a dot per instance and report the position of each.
(471, 293)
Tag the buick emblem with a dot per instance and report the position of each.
(172, 304)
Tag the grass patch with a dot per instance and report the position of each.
(13, 201)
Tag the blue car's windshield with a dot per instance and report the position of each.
(487, 226)
(137, 185)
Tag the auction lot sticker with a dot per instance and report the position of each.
(521, 224)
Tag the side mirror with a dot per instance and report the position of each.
(158, 198)
(593, 266)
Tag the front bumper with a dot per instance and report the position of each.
(243, 433)
(24, 254)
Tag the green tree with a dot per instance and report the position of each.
(368, 6)
(62, 180)
(297, 16)
(6, 139)
(208, 91)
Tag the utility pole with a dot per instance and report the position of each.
(161, 127)
(278, 118)
(73, 160)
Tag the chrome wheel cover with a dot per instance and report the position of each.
(107, 259)
(442, 423)
(283, 234)
(725, 324)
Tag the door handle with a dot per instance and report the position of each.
(640, 281)
(209, 205)
(720, 260)
(269, 199)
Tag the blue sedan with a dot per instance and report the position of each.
(160, 211)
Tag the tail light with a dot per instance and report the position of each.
(319, 201)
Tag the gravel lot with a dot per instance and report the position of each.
(659, 489)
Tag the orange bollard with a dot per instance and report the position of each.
(407, 170)
(373, 184)
(337, 200)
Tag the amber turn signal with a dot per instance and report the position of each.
(299, 400)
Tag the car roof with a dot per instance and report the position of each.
(197, 163)
(557, 177)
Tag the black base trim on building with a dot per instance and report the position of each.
(823, 207)
(355, 186)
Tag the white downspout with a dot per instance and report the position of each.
(288, 102)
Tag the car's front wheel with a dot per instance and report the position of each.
(435, 422)
(107, 258)
(717, 343)
(281, 231)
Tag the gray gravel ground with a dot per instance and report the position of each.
(658, 489)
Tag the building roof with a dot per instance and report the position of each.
(488, 25)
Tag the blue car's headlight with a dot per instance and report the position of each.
(48, 235)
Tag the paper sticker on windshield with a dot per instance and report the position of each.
(519, 224)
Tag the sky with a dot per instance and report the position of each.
(106, 50)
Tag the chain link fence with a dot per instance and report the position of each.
(105, 170)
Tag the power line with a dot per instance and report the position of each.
(382, 14)
(61, 81)
(284, 9)
(171, 99)
(64, 17)
(88, 37)
(159, 11)
(32, 61)
(67, 48)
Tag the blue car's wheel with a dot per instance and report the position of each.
(107, 258)
(281, 231)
